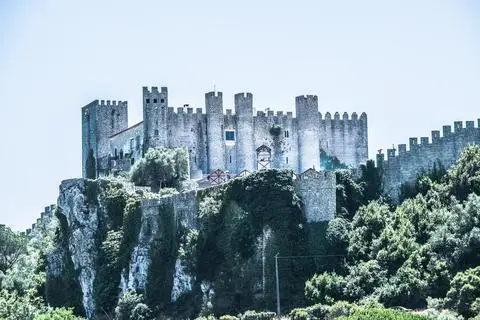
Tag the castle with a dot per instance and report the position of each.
(230, 142)
(404, 167)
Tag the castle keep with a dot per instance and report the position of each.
(234, 141)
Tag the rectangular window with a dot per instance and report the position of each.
(132, 144)
(286, 159)
(154, 100)
(148, 100)
(230, 135)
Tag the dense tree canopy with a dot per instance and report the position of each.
(161, 167)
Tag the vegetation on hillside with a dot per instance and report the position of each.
(419, 259)
(161, 167)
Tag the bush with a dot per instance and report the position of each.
(325, 288)
(228, 317)
(254, 315)
(57, 314)
(464, 293)
(382, 314)
(129, 303)
(314, 312)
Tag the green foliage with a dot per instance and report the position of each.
(372, 181)
(254, 315)
(57, 314)
(131, 307)
(228, 317)
(12, 246)
(382, 314)
(261, 207)
(20, 307)
(161, 167)
(464, 177)
(349, 193)
(325, 288)
(62, 290)
(424, 182)
(320, 311)
(337, 235)
(362, 279)
(131, 228)
(107, 279)
(90, 165)
(464, 293)
(162, 260)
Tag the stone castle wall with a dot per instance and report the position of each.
(295, 143)
(407, 164)
(318, 193)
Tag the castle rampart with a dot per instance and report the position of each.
(446, 149)
(233, 141)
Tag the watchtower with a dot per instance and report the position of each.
(308, 120)
(155, 104)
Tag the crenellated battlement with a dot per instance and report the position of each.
(44, 217)
(223, 138)
(435, 137)
(113, 103)
(423, 153)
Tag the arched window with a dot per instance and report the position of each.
(156, 132)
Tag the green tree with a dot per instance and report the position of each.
(161, 167)
(325, 288)
(372, 181)
(464, 177)
(12, 246)
(464, 293)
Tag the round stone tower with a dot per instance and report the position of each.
(215, 122)
(155, 104)
(244, 133)
(308, 122)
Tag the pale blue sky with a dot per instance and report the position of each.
(413, 66)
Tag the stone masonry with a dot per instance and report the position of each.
(229, 141)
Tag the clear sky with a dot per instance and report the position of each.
(413, 66)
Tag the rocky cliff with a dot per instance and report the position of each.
(210, 250)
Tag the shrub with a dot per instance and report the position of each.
(464, 293)
(228, 317)
(57, 314)
(324, 288)
(382, 314)
(254, 315)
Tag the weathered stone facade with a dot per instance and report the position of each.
(228, 141)
(446, 149)
(318, 193)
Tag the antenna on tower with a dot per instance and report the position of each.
(214, 87)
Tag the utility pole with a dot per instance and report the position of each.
(278, 284)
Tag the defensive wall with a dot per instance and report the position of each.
(231, 140)
(444, 147)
